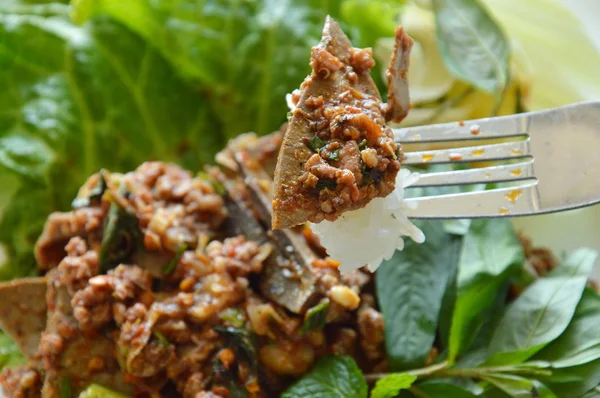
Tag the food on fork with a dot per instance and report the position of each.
(339, 166)
(338, 152)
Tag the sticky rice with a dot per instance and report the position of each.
(372, 234)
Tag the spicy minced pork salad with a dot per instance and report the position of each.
(156, 280)
(164, 283)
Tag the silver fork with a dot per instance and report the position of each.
(553, 163)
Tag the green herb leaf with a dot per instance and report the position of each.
(243, 342)
(542, 391)
(97, 391)
(536, 318)
(10, 355)
(410, 287)
(216, 184)
(233, 317)
(334, 156)
(95, 193)
(326, 184)
(316, 143)
(472, 45)
(162, 340)
(362, 145)
(64, 387)
(316, 316)
(514, 386)
(584, 378)
(172, 264)
(491, 253)
(227, 377)
(439, 389)
(121, 237)
(580, 342)
(331, 377)
(390, 385)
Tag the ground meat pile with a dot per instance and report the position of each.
(148, 292)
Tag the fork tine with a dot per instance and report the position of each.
(501, 202)
(508, 150)
(498, 127)
(486, 175)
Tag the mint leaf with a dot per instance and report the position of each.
(390, 385)
(536, 318)
(472, 45)
(410, 287)
(491, 253)
(331, 377)
(580, 342)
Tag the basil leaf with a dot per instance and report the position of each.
(410, 287)
(578, 263)
(542, 391)
(536, 318)
(593, 393)
(580, 342)
(437, 389)
(390, 385)
(491, 253)
(316, 316)
(331, 377)
(585, 377)
(514, 386)
(472, 45)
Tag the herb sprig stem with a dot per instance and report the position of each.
(441, 370)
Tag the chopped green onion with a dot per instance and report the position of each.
(362, 145)
(170, 267)
(233, 316)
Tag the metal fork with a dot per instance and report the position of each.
(552, 161)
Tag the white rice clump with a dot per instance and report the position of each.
(372, 234)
